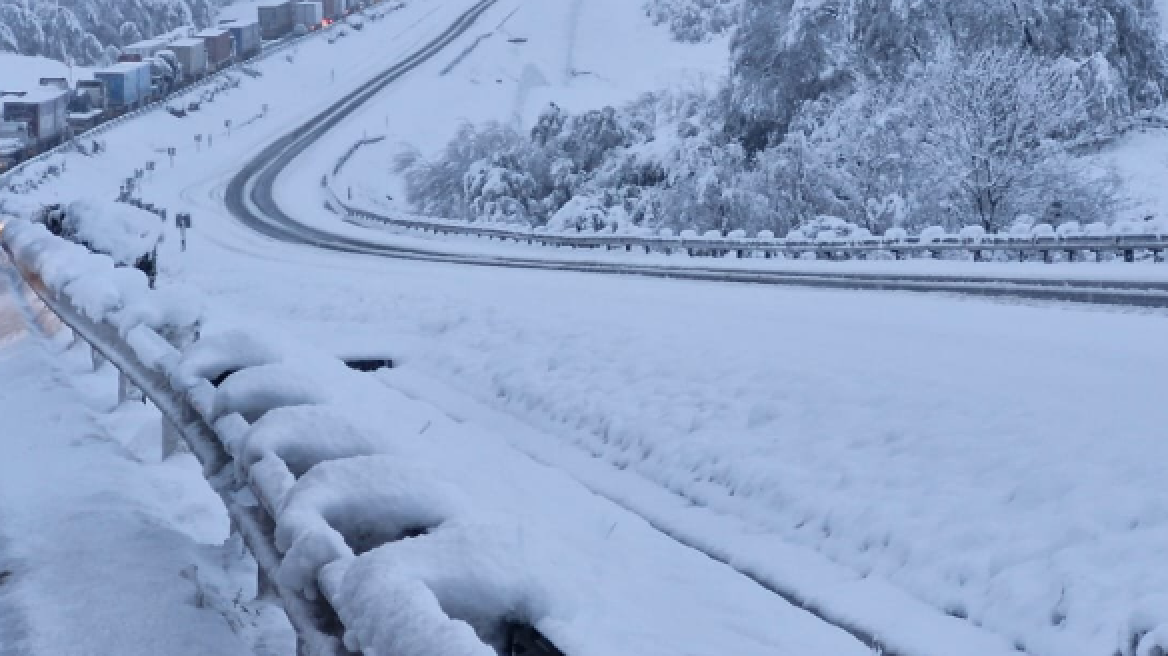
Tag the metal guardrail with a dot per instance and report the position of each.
(314, 621)
(1072, 247)
(189, 412)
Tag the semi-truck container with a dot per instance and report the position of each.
(192, 57)
(308, 14)
(15, 143)
(144, 49)
(95, 90)
(334, 9)
(127, 85)
(45, 111)
(276, 20)
(246, 37)
(220, 47)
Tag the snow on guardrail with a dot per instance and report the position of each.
(387, 527)
(1070, 241)
(1073, 247)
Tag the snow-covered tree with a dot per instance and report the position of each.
(998, 124)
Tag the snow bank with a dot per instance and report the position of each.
(253, 391)
(217, 354)
(404, 594)
(121, 231)
(352, 506)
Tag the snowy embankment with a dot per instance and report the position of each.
(528, 54)
(401, 517)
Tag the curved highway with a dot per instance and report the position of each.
(249, 197)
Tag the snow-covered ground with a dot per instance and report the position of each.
(995, 461)
(104, 542)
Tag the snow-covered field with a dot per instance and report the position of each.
(994, 461)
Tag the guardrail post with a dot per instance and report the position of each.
(172, 441)
(96, 358)
(127, 391)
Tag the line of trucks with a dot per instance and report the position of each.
(36, 120)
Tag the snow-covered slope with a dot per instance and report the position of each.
(579, 54)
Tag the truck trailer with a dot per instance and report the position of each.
(45, 111)
(334, 9)
(247, 39)
(192, 57)
(144, 49)
(308, 15)
(127, 85)
(96, 92)
(220, 47)
(276, 20)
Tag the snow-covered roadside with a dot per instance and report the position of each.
(105, 546)
(883, 431)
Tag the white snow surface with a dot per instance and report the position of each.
(119, 230)
(894, 456)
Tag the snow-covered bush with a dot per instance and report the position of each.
(973, 232)
(497, 191)
(896, 234)
(694, 20)
(932, 234)
(581, 214)
(123, 232)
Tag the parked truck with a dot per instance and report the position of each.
(308, 16)
(143, 49)
(192, 57)
(45, 112)
(15, 143)
(220, 47)
(95, 90)
(127, 85)
(334, 9)
(247, 38)
(276, 20)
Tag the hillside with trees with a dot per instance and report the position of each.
(88, 32)
(846, 115)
